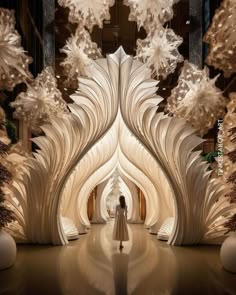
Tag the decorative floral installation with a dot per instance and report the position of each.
(221, 36)
(13, 60)
(160, 51)
(80, 51)
(150, 13)
(41, 102)
(196, 98)
(88, 13)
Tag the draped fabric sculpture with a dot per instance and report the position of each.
(119, 90)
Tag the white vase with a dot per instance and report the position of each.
(7, 250)
(228, 253)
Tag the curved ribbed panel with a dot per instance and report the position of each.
(118, 84)
(171, 142)
(65, 142)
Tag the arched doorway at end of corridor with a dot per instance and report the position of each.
(92, 201)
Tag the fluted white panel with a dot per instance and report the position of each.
(141, 158)
(69, 228)
(135, 216)
(143, 182)
(107, 190)
(171, 142)
(65, 142)
(98, 215)
(128, 198)
(94, 167)
(166, 229)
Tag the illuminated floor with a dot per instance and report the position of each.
(94, 265)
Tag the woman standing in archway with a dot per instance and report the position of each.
(120, 232)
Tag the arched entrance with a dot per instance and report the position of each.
(120, 97)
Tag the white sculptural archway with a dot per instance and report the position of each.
(132, 158)
(97, 166)
(118, 86)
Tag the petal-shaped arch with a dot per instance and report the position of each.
(65, 143)
(120, 83)
(137, 154)
(95, 165)
(171, 142)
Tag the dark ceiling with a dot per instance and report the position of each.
(30, 23)
(119, 31)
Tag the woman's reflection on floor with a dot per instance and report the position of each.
(120, 262)
(94, 265)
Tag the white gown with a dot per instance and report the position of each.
(120, 232)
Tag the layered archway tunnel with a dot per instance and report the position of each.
(137, 171)
(114, 124)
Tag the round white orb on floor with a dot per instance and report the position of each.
(228, 253)
(7, 250)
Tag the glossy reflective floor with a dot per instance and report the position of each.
(94, 265)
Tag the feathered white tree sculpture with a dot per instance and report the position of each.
(160, 51)
(41, 102)
(196, 98)
(13, 60)
(88, 13)
(80, 51)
